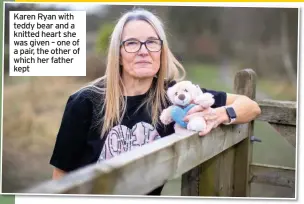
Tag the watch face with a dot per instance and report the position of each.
(231, 112)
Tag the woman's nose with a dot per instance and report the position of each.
(143, 50)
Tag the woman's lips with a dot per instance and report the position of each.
(143, 62)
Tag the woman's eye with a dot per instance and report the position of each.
(151, 42)
(131, 43)
(175, 93)
(186, 90)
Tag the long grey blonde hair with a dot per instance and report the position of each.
(111, 84)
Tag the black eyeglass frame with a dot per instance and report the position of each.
(142, 43)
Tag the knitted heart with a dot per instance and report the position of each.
(178, 113)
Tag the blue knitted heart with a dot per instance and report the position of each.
(178, 113)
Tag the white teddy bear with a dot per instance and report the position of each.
(184, 95)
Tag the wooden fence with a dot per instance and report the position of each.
(218, 164)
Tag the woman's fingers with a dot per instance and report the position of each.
(208, 114)
(187, 118)
(195, 109)
(210, 117)
(209, 127)
(206, 131)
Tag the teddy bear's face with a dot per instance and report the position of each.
(182, 93)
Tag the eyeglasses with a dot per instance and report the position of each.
(153, 45)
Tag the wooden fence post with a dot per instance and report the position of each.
(245, 84)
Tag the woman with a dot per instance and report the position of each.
(120, 111)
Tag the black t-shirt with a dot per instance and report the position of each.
(79, 142)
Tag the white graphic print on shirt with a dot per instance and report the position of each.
(122, 139)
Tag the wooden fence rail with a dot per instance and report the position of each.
(143, 169)
(218, 164)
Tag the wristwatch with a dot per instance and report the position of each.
(231, 114)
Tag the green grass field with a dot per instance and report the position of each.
(207, 76)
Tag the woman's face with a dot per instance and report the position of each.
(142, 63)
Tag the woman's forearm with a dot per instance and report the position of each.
(246, 109)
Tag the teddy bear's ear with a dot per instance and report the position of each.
(170, 92)
(171, 83)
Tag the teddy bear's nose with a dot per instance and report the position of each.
(181, 97)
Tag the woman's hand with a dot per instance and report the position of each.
(213, 116)
(57, 173)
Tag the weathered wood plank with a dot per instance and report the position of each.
(287, 131)
(217, 175)
(153, 163)
(245, 84)
(272, 175)
(207, 182)
(225, 169)
(280, 112)
(190, 182)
